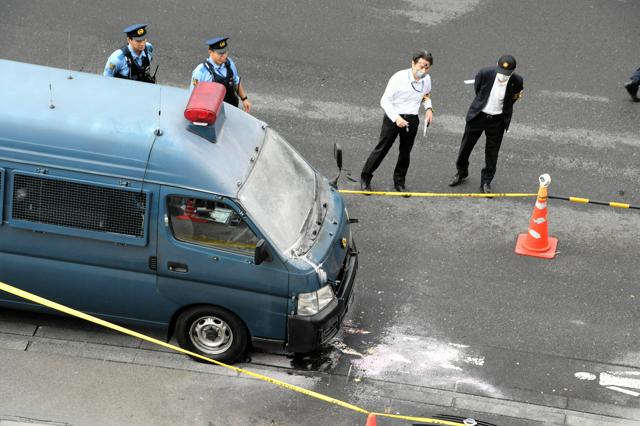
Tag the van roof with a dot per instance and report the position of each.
(103, 125)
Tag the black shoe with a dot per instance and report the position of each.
(457, 180)
(485, 188)
(401, 188)
(632, 89)
(365, 185)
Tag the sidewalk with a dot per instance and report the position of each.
(40, 386)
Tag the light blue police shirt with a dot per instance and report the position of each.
(201, 73)
(117, 62)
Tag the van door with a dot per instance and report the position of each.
(206, 248)
(84, 243)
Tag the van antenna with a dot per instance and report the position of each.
(158, 131)
(70, 77)
(51, 105)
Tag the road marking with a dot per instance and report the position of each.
(619, 381)
(620, 378)
(583, 375)
(623, 390)
(574, 96)
(433, 12)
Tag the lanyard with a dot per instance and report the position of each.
(413, 81)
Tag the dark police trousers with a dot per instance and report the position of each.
(388, 135)
(493, 127)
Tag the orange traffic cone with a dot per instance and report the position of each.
(537, 242)
(371, 420)
(190, 212)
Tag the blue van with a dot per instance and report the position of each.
(150, 206)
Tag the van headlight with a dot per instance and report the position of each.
(314, 302)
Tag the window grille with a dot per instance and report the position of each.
(78, 205)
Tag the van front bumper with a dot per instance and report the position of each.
(307, 333)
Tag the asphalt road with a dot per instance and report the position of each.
(443, 302)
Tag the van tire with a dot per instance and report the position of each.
(212, 332)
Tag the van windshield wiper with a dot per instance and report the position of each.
(305, 223)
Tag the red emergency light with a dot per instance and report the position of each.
(204, 105)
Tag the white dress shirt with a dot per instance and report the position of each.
(496, 97)
(404, 94)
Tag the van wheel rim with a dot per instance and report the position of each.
(211, 335)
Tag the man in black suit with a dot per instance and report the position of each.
(497, 88)
(632, 85)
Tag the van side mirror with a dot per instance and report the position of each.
(261, 253)
(337, 154)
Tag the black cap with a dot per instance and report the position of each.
(506, 64)
(136, 31)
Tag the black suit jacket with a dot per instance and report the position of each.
(484, 83)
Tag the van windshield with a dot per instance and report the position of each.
(280, 193)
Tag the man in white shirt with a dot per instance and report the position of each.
(497, 88)
(401, 100)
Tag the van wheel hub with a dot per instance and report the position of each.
(211, 335)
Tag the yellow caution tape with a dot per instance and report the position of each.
(493, 195)
(61, 308)
(621, 205)
(434, 194)
(600, 203)
(579, 200)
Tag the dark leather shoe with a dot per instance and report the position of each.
(632, 89)
(365, 185)
(457, 180)
(485, 188)
(401, 188)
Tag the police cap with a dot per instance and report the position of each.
(506, 64)
(219, 44)
(136, 31)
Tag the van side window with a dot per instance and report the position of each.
(210, 223)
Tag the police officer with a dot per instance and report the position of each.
(219, 68)
(133, 60)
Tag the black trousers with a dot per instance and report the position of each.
(635, 80)
(493, 128)
(388, 135)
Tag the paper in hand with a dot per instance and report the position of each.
(424, 129)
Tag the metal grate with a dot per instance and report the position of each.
(78, 205)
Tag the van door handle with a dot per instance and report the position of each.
(178, 267)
